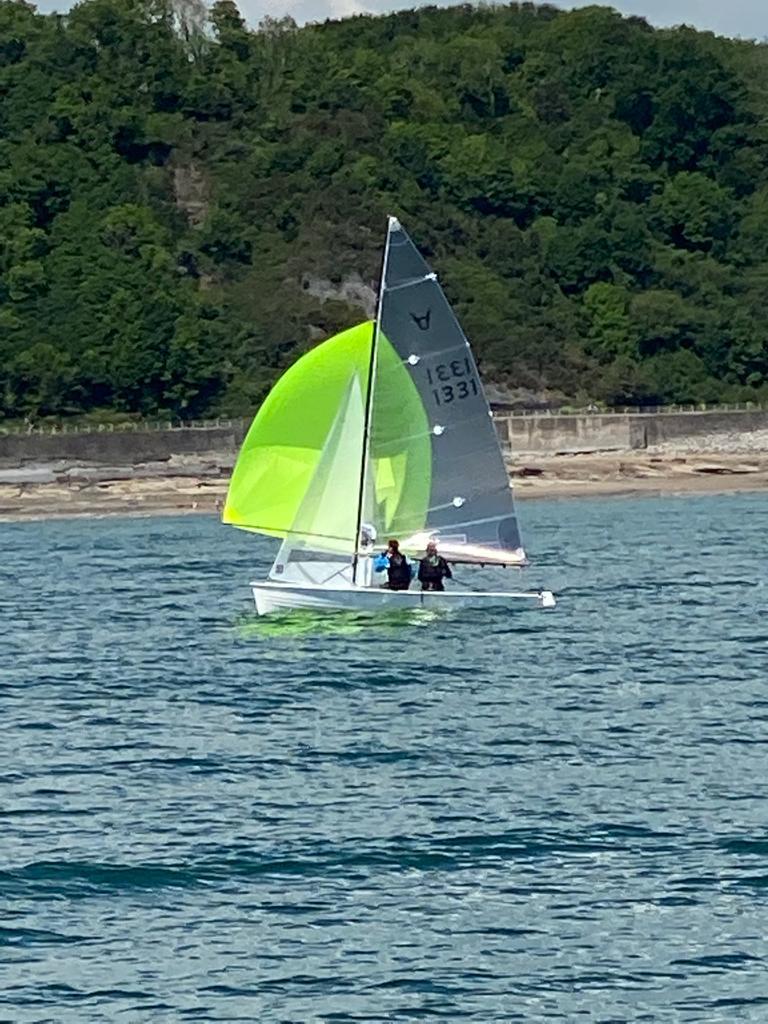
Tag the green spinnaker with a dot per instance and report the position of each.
(289, 440)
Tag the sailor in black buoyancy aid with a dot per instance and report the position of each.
(399, 571)
(433, 569)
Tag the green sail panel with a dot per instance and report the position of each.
(298, 433)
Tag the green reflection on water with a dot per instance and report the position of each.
(308, 622)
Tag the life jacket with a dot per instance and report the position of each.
(432, 572)
(398, 571)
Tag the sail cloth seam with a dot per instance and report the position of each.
(270, 531)
(467, 522)
(453, 526)
(393, 439)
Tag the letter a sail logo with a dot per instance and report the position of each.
(422, 322)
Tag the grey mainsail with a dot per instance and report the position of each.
(470, 510)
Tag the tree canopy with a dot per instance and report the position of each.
(182, 199)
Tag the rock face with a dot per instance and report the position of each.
(191, 191)
(352, 289)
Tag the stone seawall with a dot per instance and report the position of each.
(552, 434)
(716, 432)
(719, 432)
(702, 432)
(120, 448)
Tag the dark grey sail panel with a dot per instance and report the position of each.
(471, 497)
(404, 261)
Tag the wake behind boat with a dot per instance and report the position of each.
(381, 431)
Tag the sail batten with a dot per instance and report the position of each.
(410, 284)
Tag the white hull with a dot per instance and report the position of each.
(274, 596)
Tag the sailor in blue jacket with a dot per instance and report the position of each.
(399, 570)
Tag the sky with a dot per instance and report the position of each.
(746, 18)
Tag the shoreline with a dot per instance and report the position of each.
(94, 492)
(634, 474)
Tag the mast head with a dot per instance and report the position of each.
(393, 224)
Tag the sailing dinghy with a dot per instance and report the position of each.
(381, 431)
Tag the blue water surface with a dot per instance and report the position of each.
(485, 816)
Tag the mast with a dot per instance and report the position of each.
(391, 222)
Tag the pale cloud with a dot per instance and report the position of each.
(747, 18)
(303, 10)
(346, 8)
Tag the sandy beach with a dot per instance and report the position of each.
(191, 487)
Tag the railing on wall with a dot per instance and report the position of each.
(134, 426)
(500, 411)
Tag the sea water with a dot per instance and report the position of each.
(484, 816)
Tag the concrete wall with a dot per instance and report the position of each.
(552, 434)
(663, 428)
(547, 435)
(121, 448)
(543, 435)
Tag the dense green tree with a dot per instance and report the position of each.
(694, 212)
(610, 330)
(184, 201)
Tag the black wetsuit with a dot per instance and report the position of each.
(398, 572)
(432, 572)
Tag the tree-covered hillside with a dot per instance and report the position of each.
(186, 204)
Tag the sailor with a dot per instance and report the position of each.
(398, 568)
(433, 569)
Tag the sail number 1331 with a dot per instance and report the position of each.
(452, 381)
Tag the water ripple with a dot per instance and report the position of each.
(208, 816)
